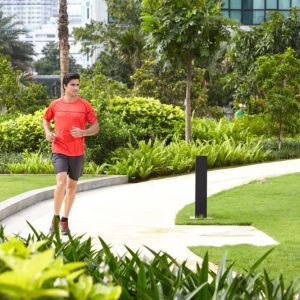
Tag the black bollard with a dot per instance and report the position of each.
(201, 187)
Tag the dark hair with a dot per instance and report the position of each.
(70, 76)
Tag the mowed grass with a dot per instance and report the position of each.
(271, 205)
(12, 185)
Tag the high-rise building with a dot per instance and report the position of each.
(94, 10)
(252, 12)
(39, 18)
(31, 14)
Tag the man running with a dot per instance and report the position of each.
(70, 114)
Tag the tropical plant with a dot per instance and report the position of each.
(184, 32)
(159, 275)
(156, 158)
(20, 53)
(28, 274)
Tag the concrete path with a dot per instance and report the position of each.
(140, 214)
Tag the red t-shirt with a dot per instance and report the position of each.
(67, 115)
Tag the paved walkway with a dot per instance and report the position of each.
(140, 214)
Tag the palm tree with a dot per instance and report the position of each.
(63, 35)
(20, 52)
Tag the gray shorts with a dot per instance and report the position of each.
(73, 165)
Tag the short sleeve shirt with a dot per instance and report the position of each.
(67, 115)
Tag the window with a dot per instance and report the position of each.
(235, 4)
(247, 4)
(225, 4)
(236, 15)
(258, 4)
(258, 16)
(271, 4)
(284, 4)
(296, 3)
(247, 17)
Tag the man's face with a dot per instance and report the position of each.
(72, 88)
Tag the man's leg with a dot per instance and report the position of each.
(69, 196)
(59, 193)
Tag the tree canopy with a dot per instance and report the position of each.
(50, 63)
(19, 52)
(184, 32)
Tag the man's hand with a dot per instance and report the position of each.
(77, 132)
(50, 136)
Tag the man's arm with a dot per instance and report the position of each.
(92, 130)
(47, 128)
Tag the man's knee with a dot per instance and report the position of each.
(71, 184)
(61, 180)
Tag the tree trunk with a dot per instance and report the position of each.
(188, 102)
(63, 35)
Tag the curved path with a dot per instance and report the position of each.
(140, 214)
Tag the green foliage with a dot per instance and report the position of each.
(19, 52)
(8, 84)
(290, 148)
(122, 40)
(271, 37)
(23, 133)
(278, 79)
(151, 117)
(168, 84)
(219, 131)
(156, 159)
(160, 276)
(180, 29)
(33, 98)
(114, 133)
(32, 163)
(30, 275)
(98, 88)
(50, 63)
(6, 158)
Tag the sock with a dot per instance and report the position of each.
(57, 216)
(64, 219)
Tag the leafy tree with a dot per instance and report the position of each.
(8, 85)
(50, 63)
(278, 79)
(271, 37)
(168, 84)
(184, 32)
(63, 36)
(20, 52)
(122, 40)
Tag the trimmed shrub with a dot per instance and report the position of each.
(150, 116)
(24, 133)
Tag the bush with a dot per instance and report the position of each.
(290, 148)
(24, 133)
(157, 159)
(28, 274)
(219, 131)
(6, 158)
(158, 276)
(149, 116)
(33, 98)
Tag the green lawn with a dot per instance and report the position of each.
(271, 205)
(12, 185)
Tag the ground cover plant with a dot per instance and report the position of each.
(271, 205)
(12, 185)
(157, 276)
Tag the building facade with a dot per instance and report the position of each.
(39, 18)
(253, 12)
(31, 14)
